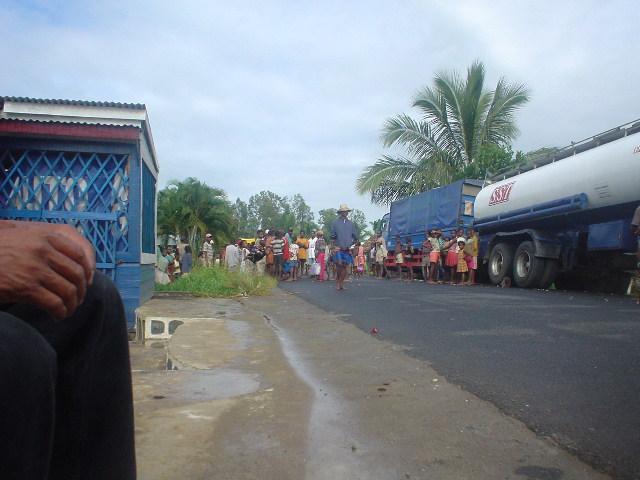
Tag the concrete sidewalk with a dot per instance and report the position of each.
(275, 388)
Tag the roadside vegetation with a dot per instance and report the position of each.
(219, 282)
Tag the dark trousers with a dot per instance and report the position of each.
(66, 409)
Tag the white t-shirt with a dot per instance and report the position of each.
(311, 251)
(293, 252)
(232, 256)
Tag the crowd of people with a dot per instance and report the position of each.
(171, 264)
(439, 257)
(288, 256)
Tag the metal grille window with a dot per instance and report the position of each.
(148, 210)
(85, 189)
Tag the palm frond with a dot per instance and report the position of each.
(386, 169)
(499, 124)
(435, 106)
(415, 136)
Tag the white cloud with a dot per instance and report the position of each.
(290, 97)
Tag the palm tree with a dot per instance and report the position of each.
(458, 117)
(191, 208)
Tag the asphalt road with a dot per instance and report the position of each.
(567, 364)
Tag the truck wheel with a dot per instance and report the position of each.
(500, 262)
(550, 273)
(527, 268)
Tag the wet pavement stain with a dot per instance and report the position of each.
(534, 472)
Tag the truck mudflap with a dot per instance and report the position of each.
(547, 244)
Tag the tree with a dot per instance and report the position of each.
(540, 154)
(458, 118)
(170, 216)
(329, 215)
(245, 227)
(491, 159)
(326, 218)
(268, 210)
(191, 208)
(377, 225)
(360, 221)
(302, 214)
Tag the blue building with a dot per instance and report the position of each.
(92, 165)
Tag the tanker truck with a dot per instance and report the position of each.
(566, 219)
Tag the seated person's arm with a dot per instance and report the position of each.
(46, 265)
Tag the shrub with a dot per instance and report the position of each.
(219, 282)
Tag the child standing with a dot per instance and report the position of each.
(186, 262)
(434, 256)
(360, 260)
(277, 247)
(451, 258)
(426, 251)
(331, 263)
(398, 255)
(293, 260)
(462, 268)
(268, 250)
(320, 252)
(408, 258)
(303, 243)
(381, 256)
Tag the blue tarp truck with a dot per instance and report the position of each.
(564, 219)
(448, 207)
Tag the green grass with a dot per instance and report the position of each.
(218, 282)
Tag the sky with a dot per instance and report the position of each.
(291, 96)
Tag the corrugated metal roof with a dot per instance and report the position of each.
(87, 103)
(68, 129)
(63, 122)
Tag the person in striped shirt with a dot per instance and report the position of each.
(277, 246)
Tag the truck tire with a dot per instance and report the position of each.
(527, 268)
(550, 273)
(500, 262)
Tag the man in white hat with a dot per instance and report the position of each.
(207, 251)
(343, 235)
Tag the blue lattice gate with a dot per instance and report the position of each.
(85, 189)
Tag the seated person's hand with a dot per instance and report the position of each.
(46, 265)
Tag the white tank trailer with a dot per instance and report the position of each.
(566, 219)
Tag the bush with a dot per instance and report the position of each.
(219, 282)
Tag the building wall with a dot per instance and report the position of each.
(135, 283)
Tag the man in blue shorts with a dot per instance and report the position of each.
(343, 235)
